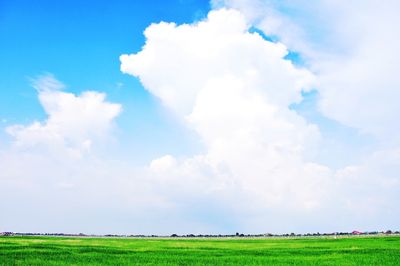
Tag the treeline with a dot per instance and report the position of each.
(388, 232)
(237, 235)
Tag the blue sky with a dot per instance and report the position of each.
(268, 111)
(80, 43)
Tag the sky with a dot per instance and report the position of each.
(186, 116)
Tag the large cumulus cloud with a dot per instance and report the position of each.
(234, 88)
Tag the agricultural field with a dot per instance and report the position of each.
(18, 250)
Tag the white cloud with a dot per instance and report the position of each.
(352, 49)
(73, 123)
(369, 191)
(47, 83)
(45, 184)
(270, 17)
(211, 49)
(49, 181)
(44, 193)
(351, 46)
(361, 87)
(234, 89)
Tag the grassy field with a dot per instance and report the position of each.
(121, 251)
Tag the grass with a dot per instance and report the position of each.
(128, 251)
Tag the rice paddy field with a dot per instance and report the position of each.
(18, 250)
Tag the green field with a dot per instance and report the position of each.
(128, 251)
